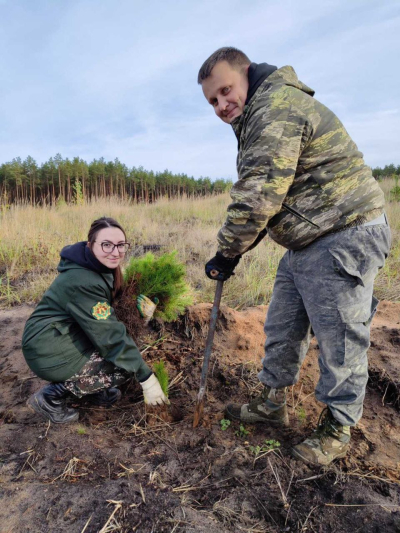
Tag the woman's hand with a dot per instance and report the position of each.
(146, 307)
(152, 392)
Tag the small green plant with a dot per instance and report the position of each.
(255, 449)
(81, 430)
(301, 415)
(242, 432)
(225, 423)
(271, 444)
(162, 375)
(267, 446)
(163, 278)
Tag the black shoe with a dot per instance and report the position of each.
(104, 398)
(50, 403)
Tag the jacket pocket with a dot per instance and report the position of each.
(353, 341)
(298, 215)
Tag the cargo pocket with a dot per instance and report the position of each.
(62, 327)
(347, 265)
(353, 339)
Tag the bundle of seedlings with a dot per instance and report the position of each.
(159, 283)
(157, 279)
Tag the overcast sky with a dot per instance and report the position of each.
(117, 78)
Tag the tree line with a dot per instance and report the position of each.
(388, 171)
(75, 180)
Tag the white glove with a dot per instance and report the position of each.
(152, 392)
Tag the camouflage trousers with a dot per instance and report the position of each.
(326, 290)
(97, 374)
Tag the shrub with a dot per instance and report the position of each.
(163, 278)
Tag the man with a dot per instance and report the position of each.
(303, 181)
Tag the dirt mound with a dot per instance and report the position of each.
(112, 472)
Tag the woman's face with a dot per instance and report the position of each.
(108, 236)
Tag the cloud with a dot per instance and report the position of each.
(94, 78)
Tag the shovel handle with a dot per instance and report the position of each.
(210, 336)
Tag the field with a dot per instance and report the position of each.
(114, 472)
(32, 237)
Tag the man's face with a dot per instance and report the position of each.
(226, 90)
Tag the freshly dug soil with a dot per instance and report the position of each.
(111, 471)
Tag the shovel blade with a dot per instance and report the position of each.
(198, 413)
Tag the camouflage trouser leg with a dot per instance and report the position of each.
(97, 374)
(327, 288)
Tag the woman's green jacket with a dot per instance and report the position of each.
(75, 319)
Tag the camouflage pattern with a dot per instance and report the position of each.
(329, 441)
(326, 289)
(268, 408)
(97, 374)
(300, 174)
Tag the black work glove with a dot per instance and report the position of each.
(223, 265)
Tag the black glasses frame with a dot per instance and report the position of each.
(126, 245)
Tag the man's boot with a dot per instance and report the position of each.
(268, 408)
(104, 398)
(329, 441)
(50, 402)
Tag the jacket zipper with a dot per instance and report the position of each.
(298, 215)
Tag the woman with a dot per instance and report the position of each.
(73, 338)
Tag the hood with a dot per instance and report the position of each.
(257, 73)
(79, 255)
(261, 78)
(287, 76)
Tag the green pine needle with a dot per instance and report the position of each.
(162, 375)
(163, 278)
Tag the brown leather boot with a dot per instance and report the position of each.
(268, 408)
(329, 441)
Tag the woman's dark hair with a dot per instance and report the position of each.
(97, 225)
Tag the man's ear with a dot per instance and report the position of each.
(88, 245)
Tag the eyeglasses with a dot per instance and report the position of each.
(109, 247)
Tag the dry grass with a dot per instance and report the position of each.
(32, 237)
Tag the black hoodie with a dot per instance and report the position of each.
(82, 255)
(257, 73)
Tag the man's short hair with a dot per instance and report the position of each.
(236, 59)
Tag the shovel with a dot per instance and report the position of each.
(198, 414)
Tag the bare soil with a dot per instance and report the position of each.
(112, 471)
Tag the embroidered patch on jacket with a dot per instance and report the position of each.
(101, 311)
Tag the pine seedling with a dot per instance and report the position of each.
(162, 375)
(163, 278)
